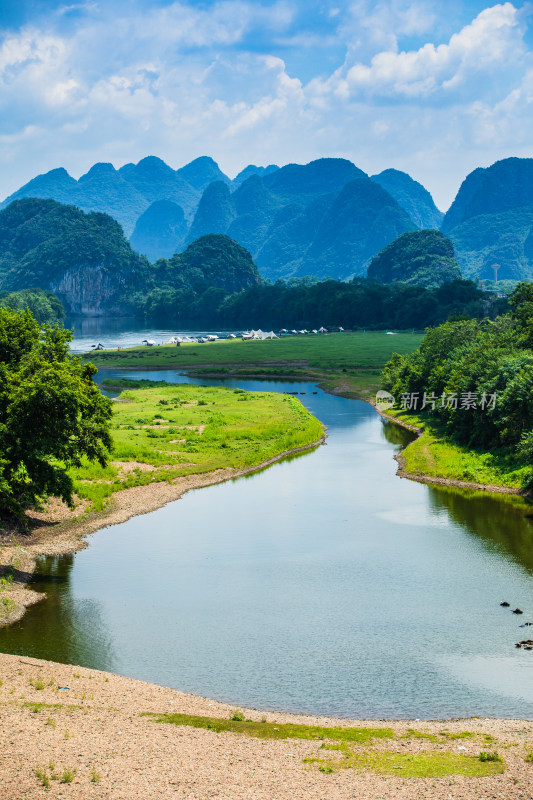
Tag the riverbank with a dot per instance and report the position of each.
(353, 358)
(168, 440)
(98, 732)
(434, 459)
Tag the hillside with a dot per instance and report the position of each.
(412, 197)
(418, 258)
(505, 185)
(491, 219)
(213, 260)
(160, 230)
(362, 219)
(323, 218)
(190, 285)
(83, 258)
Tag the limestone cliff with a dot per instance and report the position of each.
(90, 290)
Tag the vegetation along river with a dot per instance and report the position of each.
(324, 584)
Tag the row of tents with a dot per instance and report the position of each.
(259, 334)
(245, 336)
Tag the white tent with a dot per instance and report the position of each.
(260, 335)
(322, 330)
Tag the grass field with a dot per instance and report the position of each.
(438, 456)
(356, 358)
(174, 430)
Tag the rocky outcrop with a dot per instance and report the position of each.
(90, 291)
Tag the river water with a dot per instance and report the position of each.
(324, 584)
(122, 332)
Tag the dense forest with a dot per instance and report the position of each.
(485, 363)
(44, 305)
(417, 258)
(358, 304)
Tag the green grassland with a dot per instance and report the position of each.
(173, 430)
(351, 748)
(436, 455)
(356, 358)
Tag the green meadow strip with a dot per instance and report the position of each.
(274, 730)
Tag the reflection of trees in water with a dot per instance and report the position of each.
(60, 628)
(499, 521)
(101, 325)
(395, 434)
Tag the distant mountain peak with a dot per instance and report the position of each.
(252, 169)
(160, 231)
(201, 172)
(505, 185)
(153, 165)
(98, 170)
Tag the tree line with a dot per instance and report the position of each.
(360, 303)
(487, 364)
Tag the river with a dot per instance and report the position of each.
(324, 584)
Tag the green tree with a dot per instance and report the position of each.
(51, 413)
(521, 302)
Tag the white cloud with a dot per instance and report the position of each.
(182, 81)
(491, 43)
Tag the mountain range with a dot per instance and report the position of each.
(325, 218)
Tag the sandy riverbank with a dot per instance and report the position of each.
(95, 727)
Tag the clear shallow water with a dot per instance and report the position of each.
(324, 584)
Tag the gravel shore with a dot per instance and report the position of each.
(95, 727)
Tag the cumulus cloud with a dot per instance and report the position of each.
(180, 81)
(492, 43)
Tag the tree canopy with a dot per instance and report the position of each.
(44, 305)
(419, 258)
(52, 414)
(489, 362)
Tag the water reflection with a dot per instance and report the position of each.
(500, 522)
(66, 628)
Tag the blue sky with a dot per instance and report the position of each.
(433, 88)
